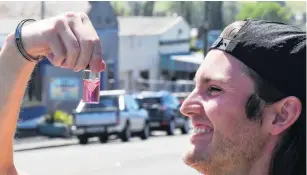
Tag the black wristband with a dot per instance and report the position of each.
(19, 42)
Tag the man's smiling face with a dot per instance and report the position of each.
(224, 137)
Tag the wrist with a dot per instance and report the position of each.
(12, 51)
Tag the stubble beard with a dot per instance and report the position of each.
(227, 155)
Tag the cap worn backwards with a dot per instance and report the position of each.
(276, 51)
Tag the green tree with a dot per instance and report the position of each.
(272, 11)
(120, 8)
(191, 11)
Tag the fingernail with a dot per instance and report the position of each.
(76, 70)
(65, 64)
(50, 56)
(102, 66)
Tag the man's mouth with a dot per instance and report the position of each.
(198, 130)
(201, 133)
(202, 129)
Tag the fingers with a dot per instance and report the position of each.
(96, 62)
(71, 44)
(58, 50)
(86, 40)
(75, 44)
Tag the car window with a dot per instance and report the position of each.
(150, 100)
(170, 100)
(132, 103)
(128, 103)
(106, 102)
(175, 100)
(167, 100)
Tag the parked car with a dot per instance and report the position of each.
(117, 114)
(163, 108)
(181, 96)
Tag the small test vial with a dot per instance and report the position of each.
(91, 87)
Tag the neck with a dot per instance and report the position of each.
(261, 166)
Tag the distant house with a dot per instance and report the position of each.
(147, 46)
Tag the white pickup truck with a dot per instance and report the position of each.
(117, 114)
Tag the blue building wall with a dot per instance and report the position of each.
(109, 41)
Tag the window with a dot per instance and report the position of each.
(127, 103)
(131, 103)
(134, 104)
(170, 100)
(106, 103)
(108, 20)
(150, 100)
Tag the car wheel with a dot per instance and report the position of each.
(145, 133)
(83, 140)
(171, 128)
(186, 127)
(126, 133)
(103, 138)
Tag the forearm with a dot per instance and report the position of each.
(15, 72)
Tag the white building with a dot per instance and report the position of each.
(147, 46)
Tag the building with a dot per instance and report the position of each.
(147, 46)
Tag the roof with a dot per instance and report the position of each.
(141, 25)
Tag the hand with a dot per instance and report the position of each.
(68, 41)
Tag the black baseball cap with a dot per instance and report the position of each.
(274, 50)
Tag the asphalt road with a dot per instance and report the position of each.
(160, 155)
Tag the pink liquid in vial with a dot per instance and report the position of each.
(91, 90)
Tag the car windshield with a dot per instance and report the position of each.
(106, 103)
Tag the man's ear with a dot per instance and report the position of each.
(286, 112)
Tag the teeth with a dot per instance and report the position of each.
(201, 130)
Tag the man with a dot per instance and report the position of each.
(239, 120)
(248, 106)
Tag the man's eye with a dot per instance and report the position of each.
(214, 91)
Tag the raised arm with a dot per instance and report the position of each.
(68, 40)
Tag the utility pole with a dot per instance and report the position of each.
(213, 19)
(42, 9)
(206, 26)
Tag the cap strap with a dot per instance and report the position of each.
(224, 44)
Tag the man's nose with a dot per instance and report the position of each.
(191, 106)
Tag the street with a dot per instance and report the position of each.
(160, 155)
